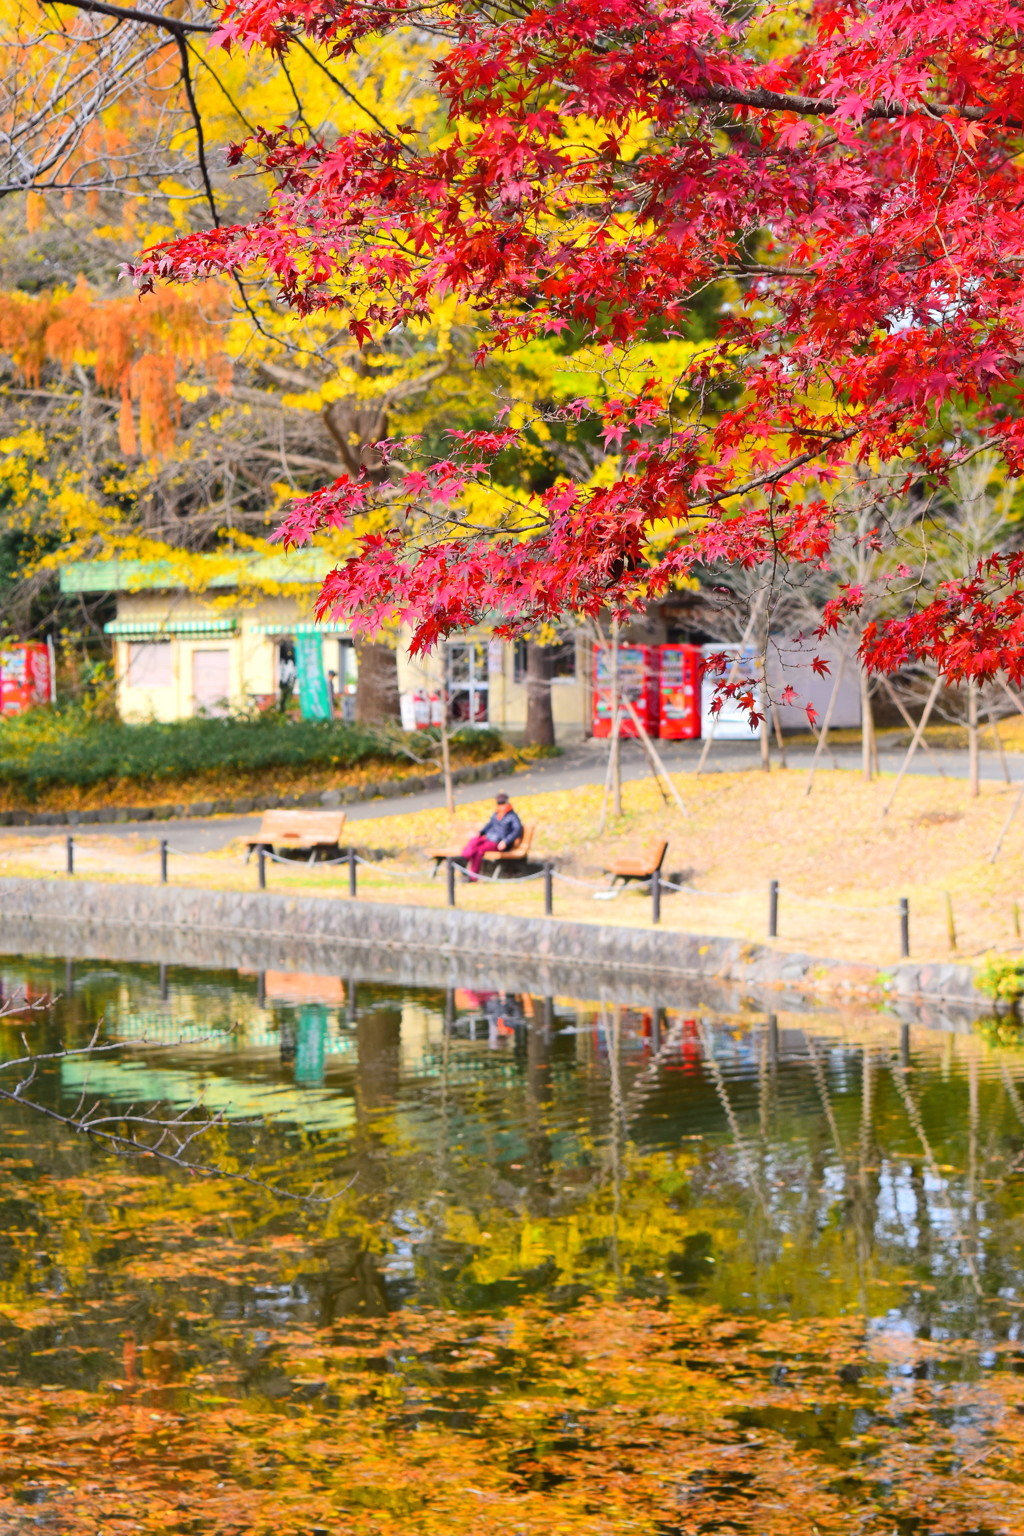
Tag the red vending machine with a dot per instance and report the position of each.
(638, 682)
(681, 667)
(26, 677)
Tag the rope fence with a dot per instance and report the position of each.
(656, 883)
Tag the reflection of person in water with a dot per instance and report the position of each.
(504, 1016)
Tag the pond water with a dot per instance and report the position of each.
(567, 1266)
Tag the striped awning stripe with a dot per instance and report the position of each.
(284, 628)
(151, 629)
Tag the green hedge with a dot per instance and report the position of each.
(68, 747)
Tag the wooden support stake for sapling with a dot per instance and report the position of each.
(616, 743)
(994, 726)
(1011, 813)
(950, 924)
(731, 678)
(610, 769)
(915, 743)
(1016, 918)
(973, 774)
(446, 756)
(661, 773)
(823, 737)
(909, 722)
(779, 742)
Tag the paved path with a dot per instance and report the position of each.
(580, 765)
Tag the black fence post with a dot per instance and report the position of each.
(450, 871)
(71, 855)
(351, 870)
(549, 889)
(773, 909)
(261, 866)
(163, 861)
(656, 896)
(904, 928)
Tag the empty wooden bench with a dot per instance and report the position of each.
(517, 854)
(312, 832)
(642, 866)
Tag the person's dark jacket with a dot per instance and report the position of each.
(503, 827)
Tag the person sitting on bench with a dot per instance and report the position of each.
(502, 831)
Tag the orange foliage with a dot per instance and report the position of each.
(139, 351)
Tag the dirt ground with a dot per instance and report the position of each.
(841, 864)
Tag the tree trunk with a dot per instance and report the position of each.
(615, 745)
(540, 722)
(867, 726)
(377, 684)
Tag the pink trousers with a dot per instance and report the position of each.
(476, 850)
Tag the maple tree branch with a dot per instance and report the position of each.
(814, 106)
(232, 103)
(772, 477)
(129, 13)
(204, 171)
(125, 1145)
(170, 1135)
(343, 88)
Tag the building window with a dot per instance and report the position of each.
(563, 661)
(468, 681)
(150, 664)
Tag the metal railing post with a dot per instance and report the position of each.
(656, 896)
(450, 870)
(163, 861)
(261, 866)
(904, 928)
(773, 909)
(351, 870)
(549, 889)
(71, 855)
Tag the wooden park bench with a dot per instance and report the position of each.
(643, 866)
(517, 854)
(312, 832)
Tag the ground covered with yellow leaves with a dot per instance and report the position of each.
(842, 865)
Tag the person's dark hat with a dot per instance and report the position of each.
(502, 799)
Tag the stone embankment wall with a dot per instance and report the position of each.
(431, 946)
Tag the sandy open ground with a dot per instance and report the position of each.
(840, 863)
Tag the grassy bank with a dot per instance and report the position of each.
(70, 760)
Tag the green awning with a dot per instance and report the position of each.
(160, 629)
(284, 628)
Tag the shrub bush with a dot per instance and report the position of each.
(1002, 978)
(72, 747)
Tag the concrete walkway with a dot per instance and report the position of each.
(580, 765)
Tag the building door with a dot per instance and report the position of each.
(211, 682)
(467, 682)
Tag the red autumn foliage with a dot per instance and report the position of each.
(852, 169)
